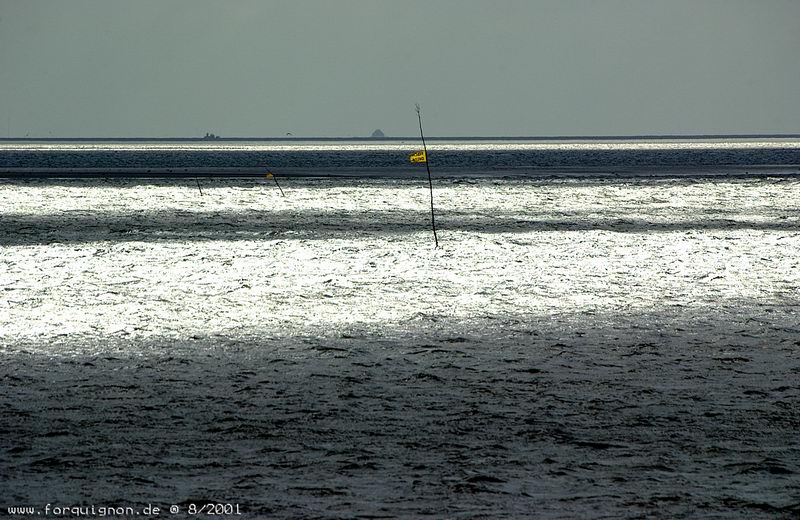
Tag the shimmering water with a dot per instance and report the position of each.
(575, 348)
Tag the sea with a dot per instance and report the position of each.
(474, 155)
(599, 328)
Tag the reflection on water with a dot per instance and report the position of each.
(574, 347)
(455, 146)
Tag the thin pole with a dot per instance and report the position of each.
(198, 185)
(430, 182)
(274, 178)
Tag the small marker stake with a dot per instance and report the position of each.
(198, 185)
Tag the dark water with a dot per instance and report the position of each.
(480, 159)
(534, 423)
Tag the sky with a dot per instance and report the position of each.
(171, 68)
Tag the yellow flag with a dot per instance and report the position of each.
(268, 175)
(418, 157)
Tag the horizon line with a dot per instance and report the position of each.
(415, 138)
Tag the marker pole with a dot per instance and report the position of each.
(274, 178)
(430, 182)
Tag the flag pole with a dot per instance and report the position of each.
(430, 182)
(274, 178)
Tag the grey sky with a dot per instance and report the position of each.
(346, 67)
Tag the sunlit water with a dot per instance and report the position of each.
(573, 348)
(403, 145)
